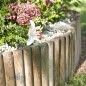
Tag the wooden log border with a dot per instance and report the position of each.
(46, 64)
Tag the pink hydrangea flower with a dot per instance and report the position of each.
(24, 12)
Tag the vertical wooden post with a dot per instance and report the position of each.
(19, 68)
(2, 74)
(71, 53)
(70, 58)
(44, 64)
(76, 45)
(9, 69)
(78, 29)
(28, 67)
(62, 62)
(36, 56)
(51, 63)
(57, 52)
(67, 57)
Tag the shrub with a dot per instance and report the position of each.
(53, 11)
(15, 21)
(14, 18)
(10, 32)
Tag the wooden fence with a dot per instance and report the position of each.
(46, 64)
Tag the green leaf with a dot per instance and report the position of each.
(2, 41)
(76, 4)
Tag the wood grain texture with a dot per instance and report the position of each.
(71, 54)
(57, 52)
(2, 74)
(67, 56)
(9, 69)
(51, 63)
(44, 64)
(28, 67)
(76, 45)
(19, 68)
(36, 57)
(78, 33)
(62, 61)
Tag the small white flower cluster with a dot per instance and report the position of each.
(6, 48)
(50, 32)
(54, 30)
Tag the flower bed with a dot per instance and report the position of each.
(15, 18)
(51, 62)
(51, 31)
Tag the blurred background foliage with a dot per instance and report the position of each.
(82, 10)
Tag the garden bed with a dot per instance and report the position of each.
(50, 62)
(39, 64)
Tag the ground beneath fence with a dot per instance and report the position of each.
(81, 69)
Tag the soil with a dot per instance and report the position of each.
(81, 69)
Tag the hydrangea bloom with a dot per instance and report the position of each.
(23, 13)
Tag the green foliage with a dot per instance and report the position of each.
(4, 2)
(11, 33)
(23, 0)
(78, 80)
(49, 13)
(53, 11)
(16, 35)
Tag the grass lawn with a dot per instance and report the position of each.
(78, 80)
(82, 10)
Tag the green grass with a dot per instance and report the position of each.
(78, 80)
(82, 10)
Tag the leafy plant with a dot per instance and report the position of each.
(53, 11)
(78, 80)
(14, 18)
(11, 33)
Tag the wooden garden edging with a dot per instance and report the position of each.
(76, 24)
(46, 64)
